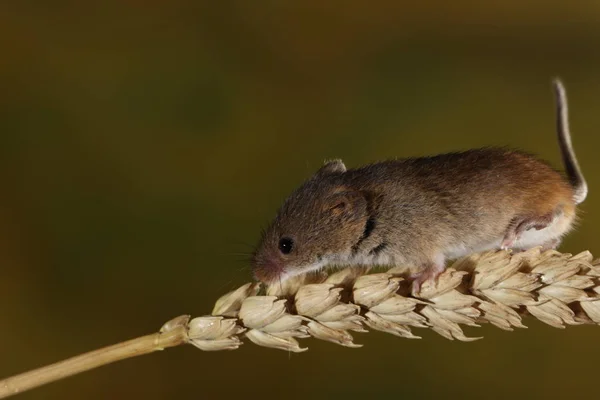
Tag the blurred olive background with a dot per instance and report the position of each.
(144, 144)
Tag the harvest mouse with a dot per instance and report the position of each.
(423, 211)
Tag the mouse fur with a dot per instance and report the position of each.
(423, 211)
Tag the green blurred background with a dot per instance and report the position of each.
(143, 145)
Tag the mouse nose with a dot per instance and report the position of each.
(268, 269)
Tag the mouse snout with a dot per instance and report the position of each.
(268, 269)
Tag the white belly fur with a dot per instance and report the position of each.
(561, 225)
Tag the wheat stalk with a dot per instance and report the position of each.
(493, 287)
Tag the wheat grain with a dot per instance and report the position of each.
(493, 287)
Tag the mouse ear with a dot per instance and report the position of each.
(332, 167)
(348, 202)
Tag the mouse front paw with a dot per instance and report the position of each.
(428, 274)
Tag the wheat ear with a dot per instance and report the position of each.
(494, 287)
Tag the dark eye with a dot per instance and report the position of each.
(286, 245)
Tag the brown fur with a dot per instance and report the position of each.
(422, 211)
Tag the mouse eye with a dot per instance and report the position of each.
(286, 245)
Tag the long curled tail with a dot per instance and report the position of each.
(571, 165)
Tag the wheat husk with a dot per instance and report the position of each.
(499, 288)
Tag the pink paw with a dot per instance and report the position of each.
(419, 278)
(507, 244)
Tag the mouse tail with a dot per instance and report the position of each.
(571, 165)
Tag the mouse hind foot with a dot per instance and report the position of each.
(525, 232)
(521, 224)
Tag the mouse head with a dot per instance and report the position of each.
(318, 223)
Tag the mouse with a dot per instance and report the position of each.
(424, 211)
